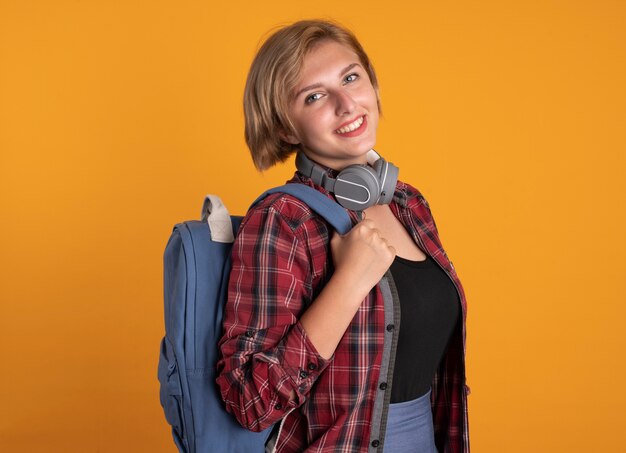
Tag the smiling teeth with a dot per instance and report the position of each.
(350, 127)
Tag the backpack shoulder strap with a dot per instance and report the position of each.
(332, 212)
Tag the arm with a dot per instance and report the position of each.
(271, 358)
(268, 364)
(360, 259)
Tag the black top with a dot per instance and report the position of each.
(430, 309)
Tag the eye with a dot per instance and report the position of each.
(351, 77)
(312, 98)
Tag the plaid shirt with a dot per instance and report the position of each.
(281, 260)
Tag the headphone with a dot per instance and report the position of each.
(356, 187)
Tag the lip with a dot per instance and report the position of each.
(357, 131)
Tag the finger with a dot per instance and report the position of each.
(367, 223)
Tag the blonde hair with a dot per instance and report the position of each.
(272, 79)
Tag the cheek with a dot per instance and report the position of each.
(373, 98)
(317, 123)
(368, 93)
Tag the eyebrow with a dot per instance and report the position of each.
(318, 85)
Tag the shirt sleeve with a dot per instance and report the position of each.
(267, 364)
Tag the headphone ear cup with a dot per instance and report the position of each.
(357, 187)
(387, 175)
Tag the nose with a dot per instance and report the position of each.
(345, 103)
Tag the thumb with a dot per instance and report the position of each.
(336, 236)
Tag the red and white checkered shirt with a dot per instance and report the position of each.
(281, 260)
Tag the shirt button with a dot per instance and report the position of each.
(303, 374)
(383, 386)
(312, 366)
(375, 443)
(249, 333)
(278, 406)
(390, 327)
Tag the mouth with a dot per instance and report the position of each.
(353, 128)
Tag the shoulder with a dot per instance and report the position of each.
(408, 196)
(285, 208)
(287, 213)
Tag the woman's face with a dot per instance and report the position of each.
(335, 108)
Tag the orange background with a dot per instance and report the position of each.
(116, 117)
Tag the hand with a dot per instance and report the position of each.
(361, 257)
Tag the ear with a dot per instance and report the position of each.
(288, 137)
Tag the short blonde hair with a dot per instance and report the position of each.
(272, 79)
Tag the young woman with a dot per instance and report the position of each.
(348, 343)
